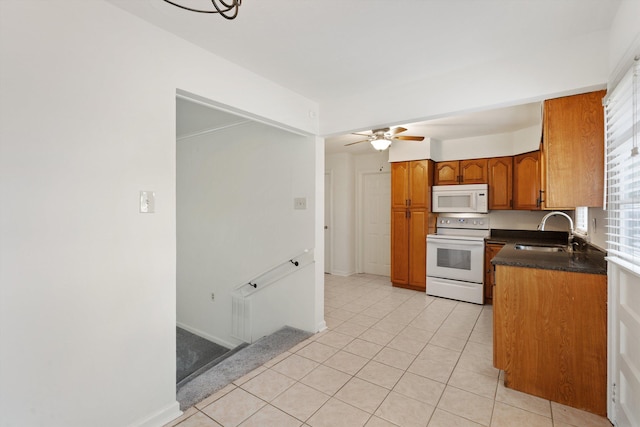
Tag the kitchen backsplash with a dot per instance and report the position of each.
(529, 220)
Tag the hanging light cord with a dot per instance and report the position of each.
(223, 8)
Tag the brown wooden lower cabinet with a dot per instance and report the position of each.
(490, 250)
(550, 334)
(409, 229)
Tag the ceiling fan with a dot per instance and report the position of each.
(382, 138)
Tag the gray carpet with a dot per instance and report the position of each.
(194, 353)
(238, 365)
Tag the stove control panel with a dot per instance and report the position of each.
(464, 221)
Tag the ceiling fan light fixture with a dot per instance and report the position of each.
(381, 144)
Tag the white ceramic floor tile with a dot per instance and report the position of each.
(336, 413)
(522, 400)
(442, 418)
(270, 416)
(380, 374)
(404, 411)
(362, 394)
(198, 420)
(507, 416)
(326, 379)
(295, 366)
(363, 348)
(396, 358)
(300, 401)
(420, 388)
(268, 384)
(576, 417)
(390, 357)
(467, 405)
(234, 407)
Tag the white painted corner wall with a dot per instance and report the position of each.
(87, 283)
(236, 220)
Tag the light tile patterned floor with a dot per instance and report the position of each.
(390, 357)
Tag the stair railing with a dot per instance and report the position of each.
(241, 312)
(275, 273)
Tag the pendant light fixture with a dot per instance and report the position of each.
(227, 8)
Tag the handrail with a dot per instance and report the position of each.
(263, 279)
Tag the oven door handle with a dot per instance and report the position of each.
(458, 244)
(440, 240)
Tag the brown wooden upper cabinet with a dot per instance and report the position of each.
(500, 182)
(573, 151)
(399, 185)
(472, 171)
(526, 181)
(411, 185)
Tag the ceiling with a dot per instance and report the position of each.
(490, 122)
(328, 49)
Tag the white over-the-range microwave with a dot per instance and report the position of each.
(460, 198)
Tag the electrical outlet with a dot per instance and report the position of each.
(213, 296)
(300, 203)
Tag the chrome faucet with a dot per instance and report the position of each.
(550, 214)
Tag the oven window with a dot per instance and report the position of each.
(460, 259)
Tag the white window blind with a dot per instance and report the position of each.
(622, 110)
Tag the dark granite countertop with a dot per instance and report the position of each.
(584, 259)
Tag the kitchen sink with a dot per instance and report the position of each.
(539, 248)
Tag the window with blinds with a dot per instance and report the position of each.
(581, 220)
(622, 111)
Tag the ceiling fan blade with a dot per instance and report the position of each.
(409, 138)
(397, 130)
(357, 142)
(361, 134)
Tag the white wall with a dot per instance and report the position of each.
(403, 151)
(235, 220)
(87, 284)
(597, 230)
(484, 146)
(624, 41)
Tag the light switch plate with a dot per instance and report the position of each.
(147, 202)
(300, 203)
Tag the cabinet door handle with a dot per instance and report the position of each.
(539, 200)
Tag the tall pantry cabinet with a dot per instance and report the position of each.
(411, 221)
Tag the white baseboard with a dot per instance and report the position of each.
(342, 273)
(206, 336)
(161, 417)
(321, 326)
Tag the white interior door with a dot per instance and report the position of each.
(328, 209)
(376, 224)
(624, 347)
